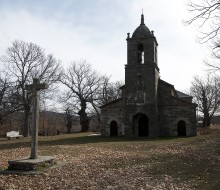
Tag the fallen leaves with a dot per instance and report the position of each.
(147, 165)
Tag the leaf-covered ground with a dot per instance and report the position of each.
(94, 162)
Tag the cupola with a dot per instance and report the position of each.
(142, 31)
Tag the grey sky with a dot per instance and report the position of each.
(97, 30)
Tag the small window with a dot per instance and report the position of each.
(140, 53)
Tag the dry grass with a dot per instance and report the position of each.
(213, 129)
(119, 163)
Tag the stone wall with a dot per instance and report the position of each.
(114, 111)
(172, 110)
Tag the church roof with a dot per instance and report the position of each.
(112, 102)
(160, 80)
(181, 94)
(142, 31)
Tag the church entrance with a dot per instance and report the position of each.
(141, 127)
(181, 128)
(113, 129)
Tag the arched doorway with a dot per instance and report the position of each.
(143, 126)
(140, 125)
(181, 128)
(113, 129)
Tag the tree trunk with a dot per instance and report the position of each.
(26, 122)
(69, 126)
(84, 120)
(68, 130)
(206, 121)
(97, 113)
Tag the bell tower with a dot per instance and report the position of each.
(141, 76)
(142, 46)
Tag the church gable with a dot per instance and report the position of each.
(169, 95)
(165, 92)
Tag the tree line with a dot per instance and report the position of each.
(83, 89)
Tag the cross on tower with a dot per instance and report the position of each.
(35, 88)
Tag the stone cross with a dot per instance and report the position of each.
(35, 88)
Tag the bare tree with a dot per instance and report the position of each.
(81, 82)
(24, 61)
(5, 107)
(68, 119)
(206, 93)
(107, 92)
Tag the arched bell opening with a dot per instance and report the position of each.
(140, 53)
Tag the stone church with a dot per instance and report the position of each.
(149, 106)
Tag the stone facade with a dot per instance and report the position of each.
(149, 106)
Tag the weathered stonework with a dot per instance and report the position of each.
(149, 106)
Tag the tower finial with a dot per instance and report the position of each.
(142, 19)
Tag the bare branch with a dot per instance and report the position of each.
(206, 14)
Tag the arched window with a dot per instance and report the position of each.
(140, 53)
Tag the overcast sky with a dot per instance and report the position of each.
(96, 30)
